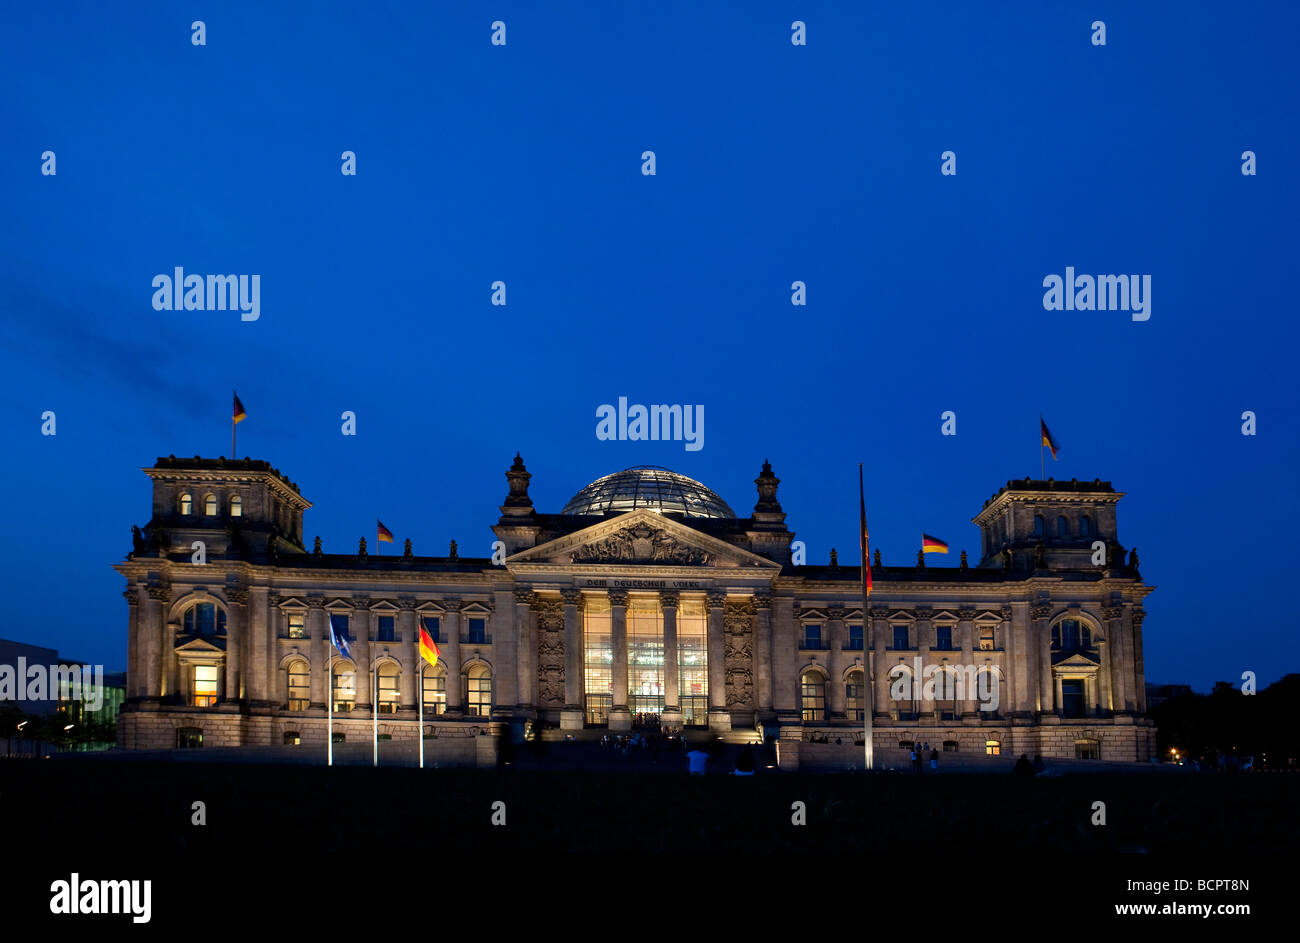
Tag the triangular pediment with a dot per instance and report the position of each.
(1075, 660)
(204, 645)
(641, 537)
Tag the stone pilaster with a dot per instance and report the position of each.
(880, 689)
(406, 632)
(154, 636)
(967, 708)
(924, 631)
(672, 715)
(719, 718)
(526, 648)
(1020, 661)
(836, 696)
(620, 718)
(763, 655)
(574, 714)
(257, 681)
(320, 651)
(236, 641)
(134, 672)
(785, 680)
(1139, 670)
(1047, 701)
(455, 690)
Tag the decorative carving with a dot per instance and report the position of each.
(618, 597)
(1008, 559)
(762, 600)
(966, 615)
(669, 598)
(1113, 612)
(963, 560)
(452, 553)
(1138, 616)
(876, 560)
(641, 543)
(920, 559)
(880, 613)
(316, 601)
(835, 559)
(1133, 559)
(738, 653)
(523, 595)
(137, 540)
(406, 551)
(406, 603)
(1041, 611)
(361, 550)
(571, 596)
(715, 598)
(836, 613)
(1006, 613)
(237, 596)
(316, 550)
(158, 591)
(132, 597)
(550, 650)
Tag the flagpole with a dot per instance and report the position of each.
(374, 705)
(420, 695)
(868, 699)
(329, 696)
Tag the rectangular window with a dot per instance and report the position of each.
(598, 659)
(299, 686)
(477, 632)
(435, 690)
(205, 685)
(1087, 749)
(855, 638)
(900, 638)
(813, 698)
(943, 638)
(853, 699)
(992, 748)
(387, 629)
(812, 636)
(345, 689)
(188, 738)
(433, 625)
(297, 625)
(388, 693)
(986, 638)
(693, 661)
(645, 659)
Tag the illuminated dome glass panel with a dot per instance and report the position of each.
(648, 486)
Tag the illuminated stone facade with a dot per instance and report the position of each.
(575, 625)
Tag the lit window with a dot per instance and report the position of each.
(345, 688)
(189, 737)
(478, 701)
(297, 625)
(813, 696)
(187, 503)
(693, 661)
(993, 747)
(299, 685)
(205, 686)
(292, 738)
(598, 660)
(236, 506)
(210, 505)
(853, 696)
(388, 682)
(986, 638)
(435, 690)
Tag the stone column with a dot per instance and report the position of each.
(880, 633)
(785, 681)
(1121, 687)
(672, 715)
(154, 636)
(1047, 702)
(455, 691)
(620, 717)
(763, 655)
(836, 696)
(573, 717)
(257, 687)
(1020, 660)
(923, 631)
(526, 648)
(719, 718)
(1139, 670)
(411, 661)
(133, 668)
(321, 650)
(236, 635)
(968, 709)
(362, 633)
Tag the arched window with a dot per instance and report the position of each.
(204, 618)
(187, 503)
(945, 693)
(345, 687)
(853, 691)
(1071, 635)
(1062, 527)
(299, 685)
(988, 691)
(210, 505)
(813, 696)
(1085, 526)
(478, 691)
(389, 678)
(1039, 526)
(435, 689)
(236, 506)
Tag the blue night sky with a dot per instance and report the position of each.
(775, 164)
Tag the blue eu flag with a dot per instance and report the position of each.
(339, 633)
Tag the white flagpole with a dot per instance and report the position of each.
(420, 682)
(374, 705)
(329, 696)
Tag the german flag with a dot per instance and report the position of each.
(385, 534)
(428, 650)
(932, 544)
(238, 415)
(1048, 440)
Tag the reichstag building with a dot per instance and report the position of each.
(647, 601)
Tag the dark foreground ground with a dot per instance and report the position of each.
(277, 832)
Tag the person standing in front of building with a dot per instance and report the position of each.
(697, 760)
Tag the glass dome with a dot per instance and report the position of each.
(648, 486)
